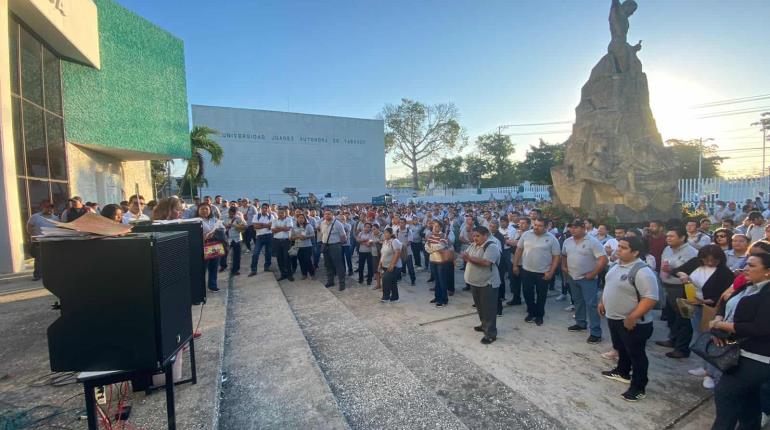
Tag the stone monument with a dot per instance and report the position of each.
(615, 161)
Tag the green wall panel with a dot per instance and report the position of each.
(138, 100)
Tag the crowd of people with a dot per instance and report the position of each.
(707, 276)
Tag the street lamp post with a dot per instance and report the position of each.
(764, 124)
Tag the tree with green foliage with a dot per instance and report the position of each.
(161, 176)
(476, 167)
(416, 133)
(449, 172)
(496, 149)
(201, 144)
(537, 164)
(687, 153)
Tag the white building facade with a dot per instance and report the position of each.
(267, 151)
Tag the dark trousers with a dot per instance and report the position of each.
(535, 292)
(441, 276)
(235, 251)
(347, 257)
(737, 396)
(281, 250)
(316, 252)
(680, 329)
(516, 285)
(632, 355)
(333, 263)
(304, 257)
(248, 236)
(417, 252)
(426, 257)
(502, 269)
(408, 266)
(34, 250)
(264, 241)
(211, 267)
(365, 259)
(389, 285)
(485, 299)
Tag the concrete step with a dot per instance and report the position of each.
(373, 387)
(271, 377)
(476, 397)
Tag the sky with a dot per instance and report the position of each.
(500, 62)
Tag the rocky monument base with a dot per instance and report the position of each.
(615, 161)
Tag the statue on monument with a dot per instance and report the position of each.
(615, 161)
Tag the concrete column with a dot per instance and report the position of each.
(11, 233)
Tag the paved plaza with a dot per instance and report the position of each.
(298, 355)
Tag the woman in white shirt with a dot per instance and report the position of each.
(302, 233)
(390, 262)
(364, 239)
(213, 230)
(376, 241)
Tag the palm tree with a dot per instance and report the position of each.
(200, 142)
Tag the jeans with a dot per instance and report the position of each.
(737, 396)
(535, 292)
(586, 299)
(334, 265)
(263, 241)
(316, 252)
(680, 329)
(485, 299)
(712, 370)
(632, 355)
(365, 259)
(441, 275)
(347, 257)
(389, 285)
(248, 236)
(235, 251)
(211, 267)
(281, 248)
(304, 258)
(416, 252)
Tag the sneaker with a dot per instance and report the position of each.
(433, 301)
(538, 321)
(698, 372)
(529, 319)
(384, 300)
(569, 308)
(616, 376)
(394, 300)
(561, 298)
(610, 355)
(252, 274)
(633, 395)
(576, 328)
(594, 339)
(440, 305)
(708, 383)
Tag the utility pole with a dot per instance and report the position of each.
(700, 165)
(764, 124)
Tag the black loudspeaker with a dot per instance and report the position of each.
(195, 239)
(125, 302)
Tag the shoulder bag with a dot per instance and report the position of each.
(724, 358)
(325, 243)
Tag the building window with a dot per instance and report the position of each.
(38, 123)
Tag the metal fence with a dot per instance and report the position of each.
(712, 190)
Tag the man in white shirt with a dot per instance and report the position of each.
(696, 238)
(281, 229)
(583, 259)
(135, 214)
(755, 231)
(262, 223)
(538, 253)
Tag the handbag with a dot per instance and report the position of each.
(686, 309)
(213, 249)
(294, 250)
(707, 315)
(724, 358)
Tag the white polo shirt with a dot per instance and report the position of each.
(286, 222)
(264, 219)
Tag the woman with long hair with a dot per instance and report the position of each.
(167, 209)
(390, 264)
(212, 230)
(441, 262)
(113, 212)
(302, 233)
(724, 238)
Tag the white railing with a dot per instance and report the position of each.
(525, 190)
(712, 190)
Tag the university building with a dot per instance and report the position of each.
(89, 93)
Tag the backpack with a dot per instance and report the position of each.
(632, 280)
